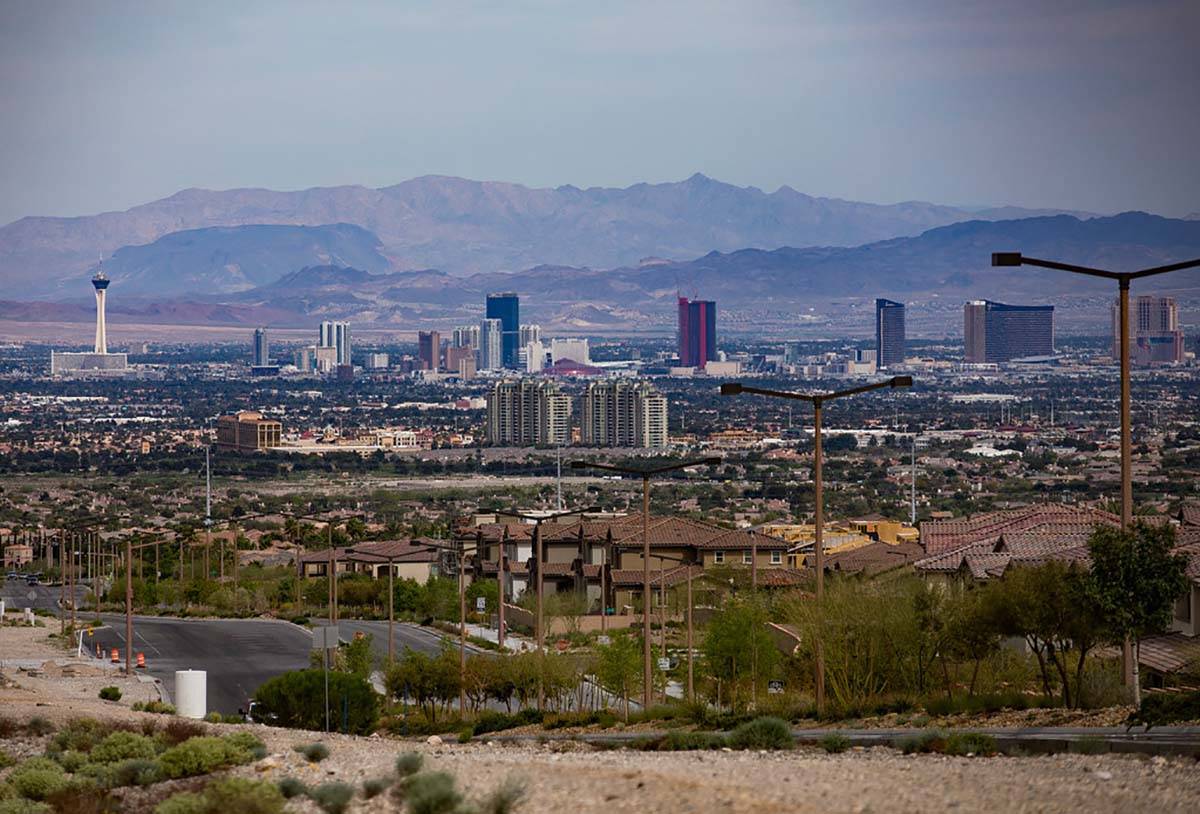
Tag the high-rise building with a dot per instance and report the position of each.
(530, 334)
(336, 335)
(577, 350)
(99, 360)
(994, 332)
(889, 333)
(429, 350)
(506, 308)
(697, 332)
(491, 344)
(533, 357)
(1154, 333)
(377, 361)
(454, 356)
(262, 350)
(624, 413)
(525, 412)
(465, 336)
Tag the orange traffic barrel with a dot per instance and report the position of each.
(141, 660)
(116, 656)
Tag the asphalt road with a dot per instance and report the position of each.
(16, 595)
(405, 634)
(238, 654)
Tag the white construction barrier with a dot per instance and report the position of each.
(191, 693)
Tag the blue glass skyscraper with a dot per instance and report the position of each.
(506, 308)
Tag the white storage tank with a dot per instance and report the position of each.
(191, 693)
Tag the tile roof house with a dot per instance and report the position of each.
(604, 556)
(985, 546)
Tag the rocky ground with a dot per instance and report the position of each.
(567, 776)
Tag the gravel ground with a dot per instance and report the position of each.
(569, 777)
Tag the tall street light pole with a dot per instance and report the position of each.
(817, 400)
(1123, 278)
(539, 627)
(645, 475)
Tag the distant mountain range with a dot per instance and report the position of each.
(946, 265)
(458, 226)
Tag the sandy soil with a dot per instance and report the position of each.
(565, 776)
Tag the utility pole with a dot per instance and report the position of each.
(913, 508)
(128, 606)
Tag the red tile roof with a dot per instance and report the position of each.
(874, 558)
(1170, 652)
(938, 536)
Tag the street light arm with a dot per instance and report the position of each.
(816, 398)
(1018, 259)
(1187, 264)
(629, 470)
(538, 518)
(895, 381)
(736, 388)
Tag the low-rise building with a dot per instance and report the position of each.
(248, 431)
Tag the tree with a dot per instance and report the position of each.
(1052, 607)
(619, 666)
(1135, 582)
(737, 646)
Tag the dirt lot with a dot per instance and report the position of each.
(569, 777)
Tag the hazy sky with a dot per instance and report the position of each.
(1089, 105)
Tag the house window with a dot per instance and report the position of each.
(776, 558)
(718, 557)
(746, 559)
(1183, 608)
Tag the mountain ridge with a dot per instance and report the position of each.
(463, 226)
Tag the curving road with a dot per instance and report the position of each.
(238, 654)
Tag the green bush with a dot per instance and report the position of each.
(184, 803)
(1160, 709)
(179, 730)
(313, 752)
(110, 693)
(834, 743)
(71, 761)
(923, 743)
(762, 733)
(23, 806)
(157, 707)
(202, 755)
(499, 721)
(506, 797)
(970, 743)
(238, 794)
(39, 726)
(79, 735)
(297, 699)
(37, 778)
(432, 793)
(248, 743)
(333, 798)
(375, 786)
(122, 746)
(291, 787)
(690, 742)
(409, 763)
(103, 775)
(6, 759)
(138, 772)
(213, 717)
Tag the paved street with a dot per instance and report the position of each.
(238, 654)
(405, 634)
(16, 595)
